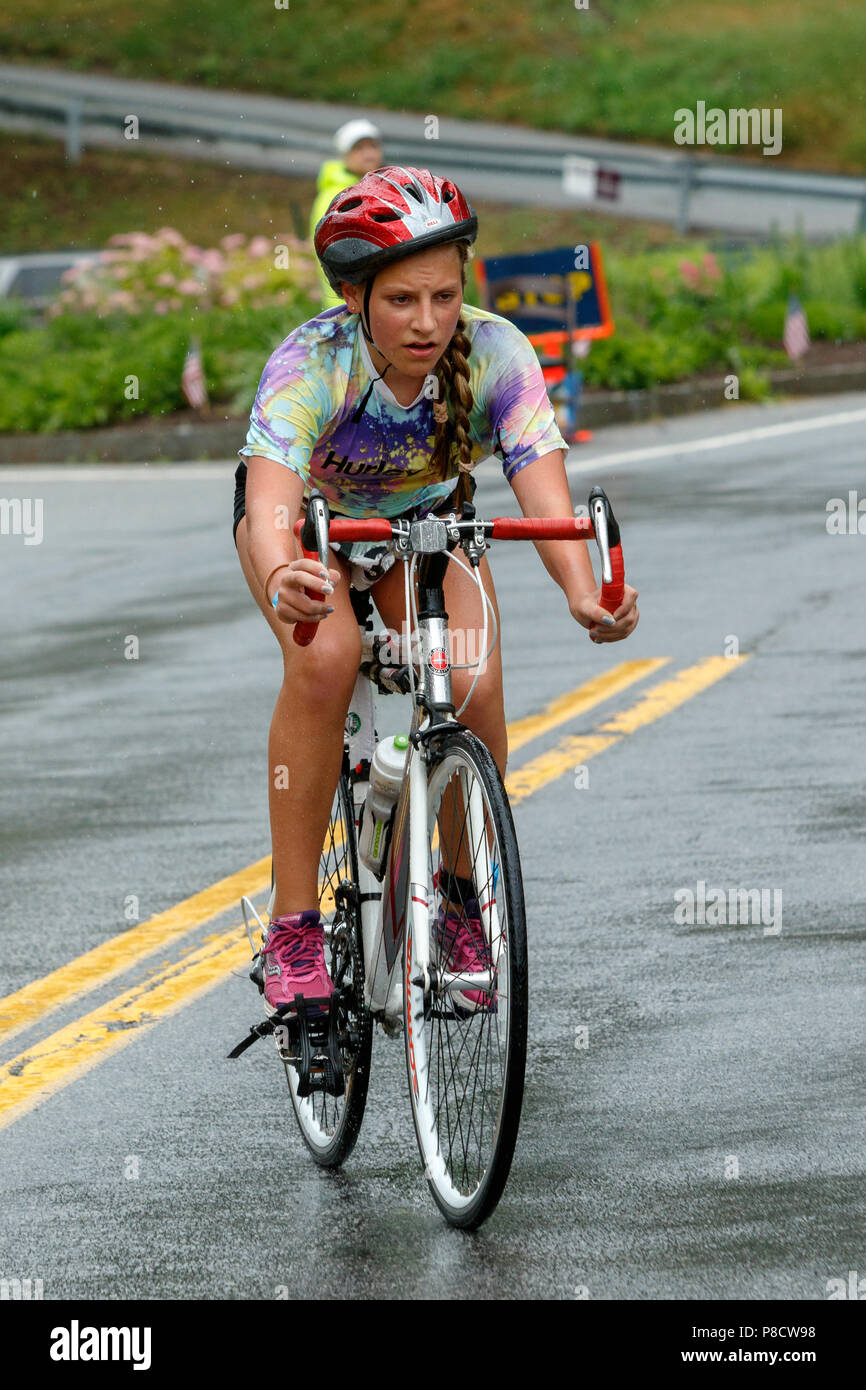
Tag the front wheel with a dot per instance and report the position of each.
(466, 1034)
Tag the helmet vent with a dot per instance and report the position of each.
(411, 188)
(350, 203)
(447, 195)
(384, 216)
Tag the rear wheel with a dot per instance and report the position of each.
(330, 1124)
(466, 1035)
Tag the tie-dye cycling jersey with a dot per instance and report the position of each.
(380, 463)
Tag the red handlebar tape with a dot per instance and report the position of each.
(304, 633)
(611, 594)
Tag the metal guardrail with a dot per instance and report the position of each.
(514, 167)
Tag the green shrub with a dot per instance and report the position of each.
(14, 316)
(72, 374)
(753, 385)
(845, 323)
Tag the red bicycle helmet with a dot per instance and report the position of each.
(390, 213)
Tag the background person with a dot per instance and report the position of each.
(359, 145)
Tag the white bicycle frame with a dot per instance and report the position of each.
(385, 904)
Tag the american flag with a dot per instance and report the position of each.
(795, 338)
(192, 378)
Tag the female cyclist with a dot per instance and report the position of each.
(384, 421)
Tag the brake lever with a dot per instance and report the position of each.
(314, 544)
(606, 530)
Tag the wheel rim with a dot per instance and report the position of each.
(460, 1058)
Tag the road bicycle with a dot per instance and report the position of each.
(446, 864)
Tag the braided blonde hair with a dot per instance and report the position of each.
(453, 403)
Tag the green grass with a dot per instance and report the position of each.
(620, 68)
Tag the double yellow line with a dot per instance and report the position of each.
(72, 1050)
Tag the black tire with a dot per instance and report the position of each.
(467, 1186)
(329, 1124)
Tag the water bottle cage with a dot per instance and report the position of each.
(386, 835)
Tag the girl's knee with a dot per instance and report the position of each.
(328, 665)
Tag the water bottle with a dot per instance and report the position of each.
(386, 778)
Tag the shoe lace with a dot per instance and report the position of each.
(299, 948)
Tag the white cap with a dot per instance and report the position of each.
(349, 134)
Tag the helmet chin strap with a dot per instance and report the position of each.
(365, 314)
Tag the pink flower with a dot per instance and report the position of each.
(190, 287)
(711, 266)
(166, 278)
(690, 274)
(230, 297)
(169, 237)
(136, 244)
(231, 243)
(213, 261)
(161, 306)
(260, 246)
(71, 274)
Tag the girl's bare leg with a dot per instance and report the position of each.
(305, 746)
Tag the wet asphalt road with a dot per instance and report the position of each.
(711, 1049)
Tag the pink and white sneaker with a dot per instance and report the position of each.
(463, 948)
(293, 960)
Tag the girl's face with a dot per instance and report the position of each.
(414, 308)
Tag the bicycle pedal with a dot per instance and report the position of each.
(318, 1061)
